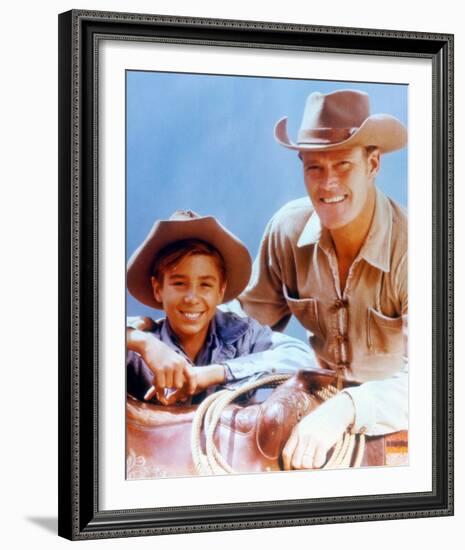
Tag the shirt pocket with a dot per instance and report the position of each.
(306, 311)
(384, 334)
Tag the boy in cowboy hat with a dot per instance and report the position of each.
(187, 266)
(338, 262)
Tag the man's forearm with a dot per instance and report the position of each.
(381, 406)
(138, 340)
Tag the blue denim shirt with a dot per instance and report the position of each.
(246, 348)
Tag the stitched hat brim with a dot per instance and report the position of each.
(383, 131)
(238, 262)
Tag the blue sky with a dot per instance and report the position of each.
(205, 143)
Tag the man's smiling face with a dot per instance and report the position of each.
(340, 183)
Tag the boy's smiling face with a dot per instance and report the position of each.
(190, 291)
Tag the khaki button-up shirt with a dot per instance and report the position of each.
(360, 330)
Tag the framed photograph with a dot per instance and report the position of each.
(198, 391)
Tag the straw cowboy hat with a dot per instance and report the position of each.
(182, 225)
(342, 119)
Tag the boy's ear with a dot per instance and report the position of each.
(156, 287)
(222, 291)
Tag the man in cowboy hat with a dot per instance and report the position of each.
(338, 262)
(187, 266)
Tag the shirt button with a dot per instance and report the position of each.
(340, 304)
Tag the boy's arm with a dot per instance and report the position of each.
(270, 352)
(170, 369)
(261, 352)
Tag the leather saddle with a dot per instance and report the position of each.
(250, 438)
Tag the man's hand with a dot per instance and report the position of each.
(170, 369)
(314, 435)
(140, 323)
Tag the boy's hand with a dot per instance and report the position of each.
(170, 370)
(201, 378)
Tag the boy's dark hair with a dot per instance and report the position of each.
(172, 254)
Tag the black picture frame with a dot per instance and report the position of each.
(79, 514)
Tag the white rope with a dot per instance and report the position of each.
(209, 414)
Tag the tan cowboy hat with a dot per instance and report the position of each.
(182, 225)
(342, 119)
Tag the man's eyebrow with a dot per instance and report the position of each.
(348, 153)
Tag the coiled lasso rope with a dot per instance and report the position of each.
(209, 413)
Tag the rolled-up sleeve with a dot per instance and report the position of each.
(381, 405)
(263, 298)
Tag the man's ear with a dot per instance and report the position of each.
(157, 289)
(374, 162)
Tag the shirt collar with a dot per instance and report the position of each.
(224, 327)
(376, 249)
(167, 335)
(229, 326)
(314, 233)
